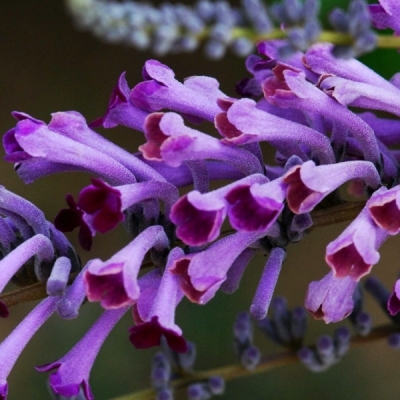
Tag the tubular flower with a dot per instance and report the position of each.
(168, 193)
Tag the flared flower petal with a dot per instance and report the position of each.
(199, 217)
(33, 140)
(289, 88)
(160, 319)
(308, 184)
(245, 123)
(169, 140)
(13, 345)
(386, 15)
(196, 97)
(355, 251)
(254, 208)
(114, 282)
(203, 273)
(120, 110)
(73, 370)
(384, 208)
(331, 298)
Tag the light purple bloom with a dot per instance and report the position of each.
(169, 140)
(255, 207)
(363, 95)
(245, 123)
(199, 217)
(31, 139)
(386, 14)
(289, 88)
(196, 98)
(13, 345)
(73, 126)
(319, 58)
(114, 282)
(384, 208)
(354, 252)
(73, 370)
(309, 184)
(331, 298)
(159, 320)
(121, 110)
(203, 273)
(105, 203)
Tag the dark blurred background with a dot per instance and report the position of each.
(46, 65)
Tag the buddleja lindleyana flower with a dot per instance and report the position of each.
(315, 110)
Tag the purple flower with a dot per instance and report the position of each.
(255, 207)
(386, 14)
(354, 252)
(203, 273)
(289, 88)
(159, 320)
(384, 208)
(199, 217)
(331, 298)
(114, 282)
(104, 205)
(319, 58)
(196, 98)
(364, 95)
(11, 347)
(32, 139)
(394, 300)
(73, 370)
(169, 140)
(121, 110)
(244, 123)
(70, 218)
(309, 184)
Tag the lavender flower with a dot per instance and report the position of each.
(354, 252)
(73, 369)
(114, 282)
(385, 15)
(331, 298)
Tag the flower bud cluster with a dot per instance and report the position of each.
(358, 24)
(327, 351)
(249, 354)
(173, 28)
(177, 28)
(285, 327)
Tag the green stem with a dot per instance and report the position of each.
(383, 41)
(235, 371)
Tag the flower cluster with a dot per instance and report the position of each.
(180, 28)
(315, 110)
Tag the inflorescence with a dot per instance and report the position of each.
(323, 117)
(177, 28)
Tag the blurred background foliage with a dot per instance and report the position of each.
(46, 65)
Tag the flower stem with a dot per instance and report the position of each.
(235, 371)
